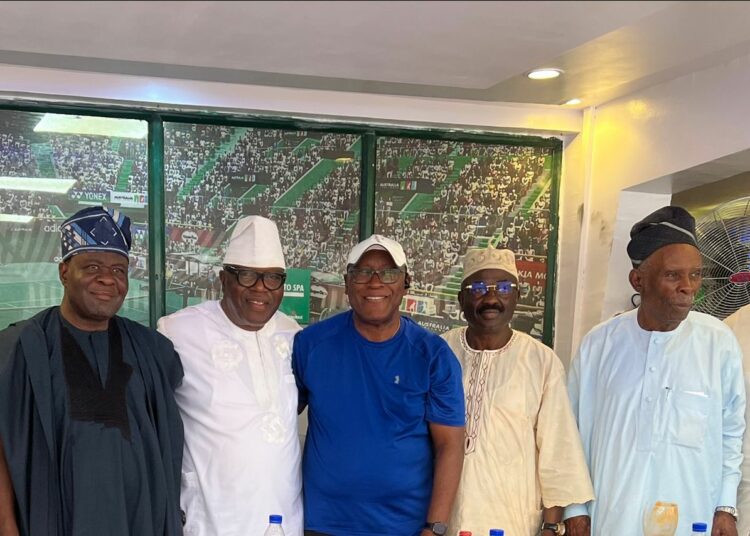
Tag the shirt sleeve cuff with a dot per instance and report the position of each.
(728, 495)
(574, 510)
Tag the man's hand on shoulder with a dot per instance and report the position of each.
(578, 526)
(724, 525)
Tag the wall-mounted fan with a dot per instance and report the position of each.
(724, 240)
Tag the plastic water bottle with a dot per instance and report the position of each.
(274, 526)
(497, 532)
(699, 528)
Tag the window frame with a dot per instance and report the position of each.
(157, 116)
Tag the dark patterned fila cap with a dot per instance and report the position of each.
(95, 229)
(666, 226)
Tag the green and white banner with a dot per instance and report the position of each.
(296, 302)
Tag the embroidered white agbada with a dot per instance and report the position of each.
(522, 448)
(740, 324)
(239, 407)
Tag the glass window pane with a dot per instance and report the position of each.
(51, 166)
(307, 182)
(437, 198)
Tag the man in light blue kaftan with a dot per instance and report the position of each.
(659, 397)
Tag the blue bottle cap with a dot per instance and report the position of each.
(274, 519)
(497, 532)
(700, 527)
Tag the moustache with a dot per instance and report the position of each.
(488, 307)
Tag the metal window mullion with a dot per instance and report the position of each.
(548, 333)
(156, 221)
(367, 188)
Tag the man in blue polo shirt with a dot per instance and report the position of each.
(384, 447)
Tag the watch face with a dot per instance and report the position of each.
(557, 528)
(728, 509)
(441, 529)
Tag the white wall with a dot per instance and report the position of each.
(647, 135)
(574, 190)
(338, 105)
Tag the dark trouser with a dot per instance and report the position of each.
(313, 533)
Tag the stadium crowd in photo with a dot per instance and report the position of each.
(436, 197)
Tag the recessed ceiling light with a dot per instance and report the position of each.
(544, 74)
(573, 102)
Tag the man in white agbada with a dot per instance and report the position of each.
(239, 399)
(523, 460)
(659, 395)
(739, 322)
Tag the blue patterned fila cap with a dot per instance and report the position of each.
(95, 229)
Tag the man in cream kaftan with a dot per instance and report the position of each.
(522, 449)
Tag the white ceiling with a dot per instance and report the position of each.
(470, 50)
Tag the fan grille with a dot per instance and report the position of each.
(724, 240)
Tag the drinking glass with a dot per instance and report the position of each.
(660, 519)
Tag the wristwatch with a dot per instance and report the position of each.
(731, 510)
(437, 528)
(556, 528)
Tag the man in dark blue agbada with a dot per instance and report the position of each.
(90, 435)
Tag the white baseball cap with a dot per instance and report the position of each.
(378, 242)
(255, 243)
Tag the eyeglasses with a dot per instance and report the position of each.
(364, 275)
(248, 278)
(480, 288)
